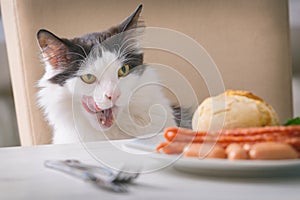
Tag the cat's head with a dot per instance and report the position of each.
(103, 65)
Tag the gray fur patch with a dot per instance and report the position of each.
(183, 116)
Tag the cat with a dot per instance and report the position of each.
(96, 86)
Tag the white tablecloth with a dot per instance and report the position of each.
(23, 176)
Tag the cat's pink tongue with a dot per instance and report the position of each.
(90, 105)
(105, 117)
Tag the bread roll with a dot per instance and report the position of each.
(233, 109)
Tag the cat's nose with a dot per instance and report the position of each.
(112, 97)
(108, 96)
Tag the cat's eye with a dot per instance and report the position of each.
(88, 78)
(124, 70)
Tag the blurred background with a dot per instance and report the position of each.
(8, 124)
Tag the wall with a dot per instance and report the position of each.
(294, 9)
(8, 124)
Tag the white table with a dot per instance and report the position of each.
(23, 176)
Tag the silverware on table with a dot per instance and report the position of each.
(99, 176)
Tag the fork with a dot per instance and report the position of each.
(121, 176)
(109, 180)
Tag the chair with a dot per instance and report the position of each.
(248, 40)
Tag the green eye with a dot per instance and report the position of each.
(88, 78)
(124, 70)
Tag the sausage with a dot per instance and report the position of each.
(284, 134)
(258, 143)
(205, 151)
(172, 132)
(272, 151)
(171, 147)
(236, 152)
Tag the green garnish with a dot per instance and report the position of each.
(294, 121)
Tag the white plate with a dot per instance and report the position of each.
(217, 167)
(224, 167)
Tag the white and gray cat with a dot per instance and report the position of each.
(96, 86)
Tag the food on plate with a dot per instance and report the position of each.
(257, 143)
(235, 151)
(233, 109)
(171, 147)
(205, 151)
(294, 121)
(272, 151)
(283, 134)
(236, 125)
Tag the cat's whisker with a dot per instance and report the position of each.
(121, 50)
(127, 56)
(130, 48)
(118, 47)
(71, 63)
(95, 50)
(80, 61)
(128, 59)
(125, 53)
(82, 49)
(75, 53)
(127, 39)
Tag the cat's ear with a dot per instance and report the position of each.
(54, 50)
(132, 21)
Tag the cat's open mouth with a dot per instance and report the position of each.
(104, 116)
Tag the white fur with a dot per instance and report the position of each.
(140, 106)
